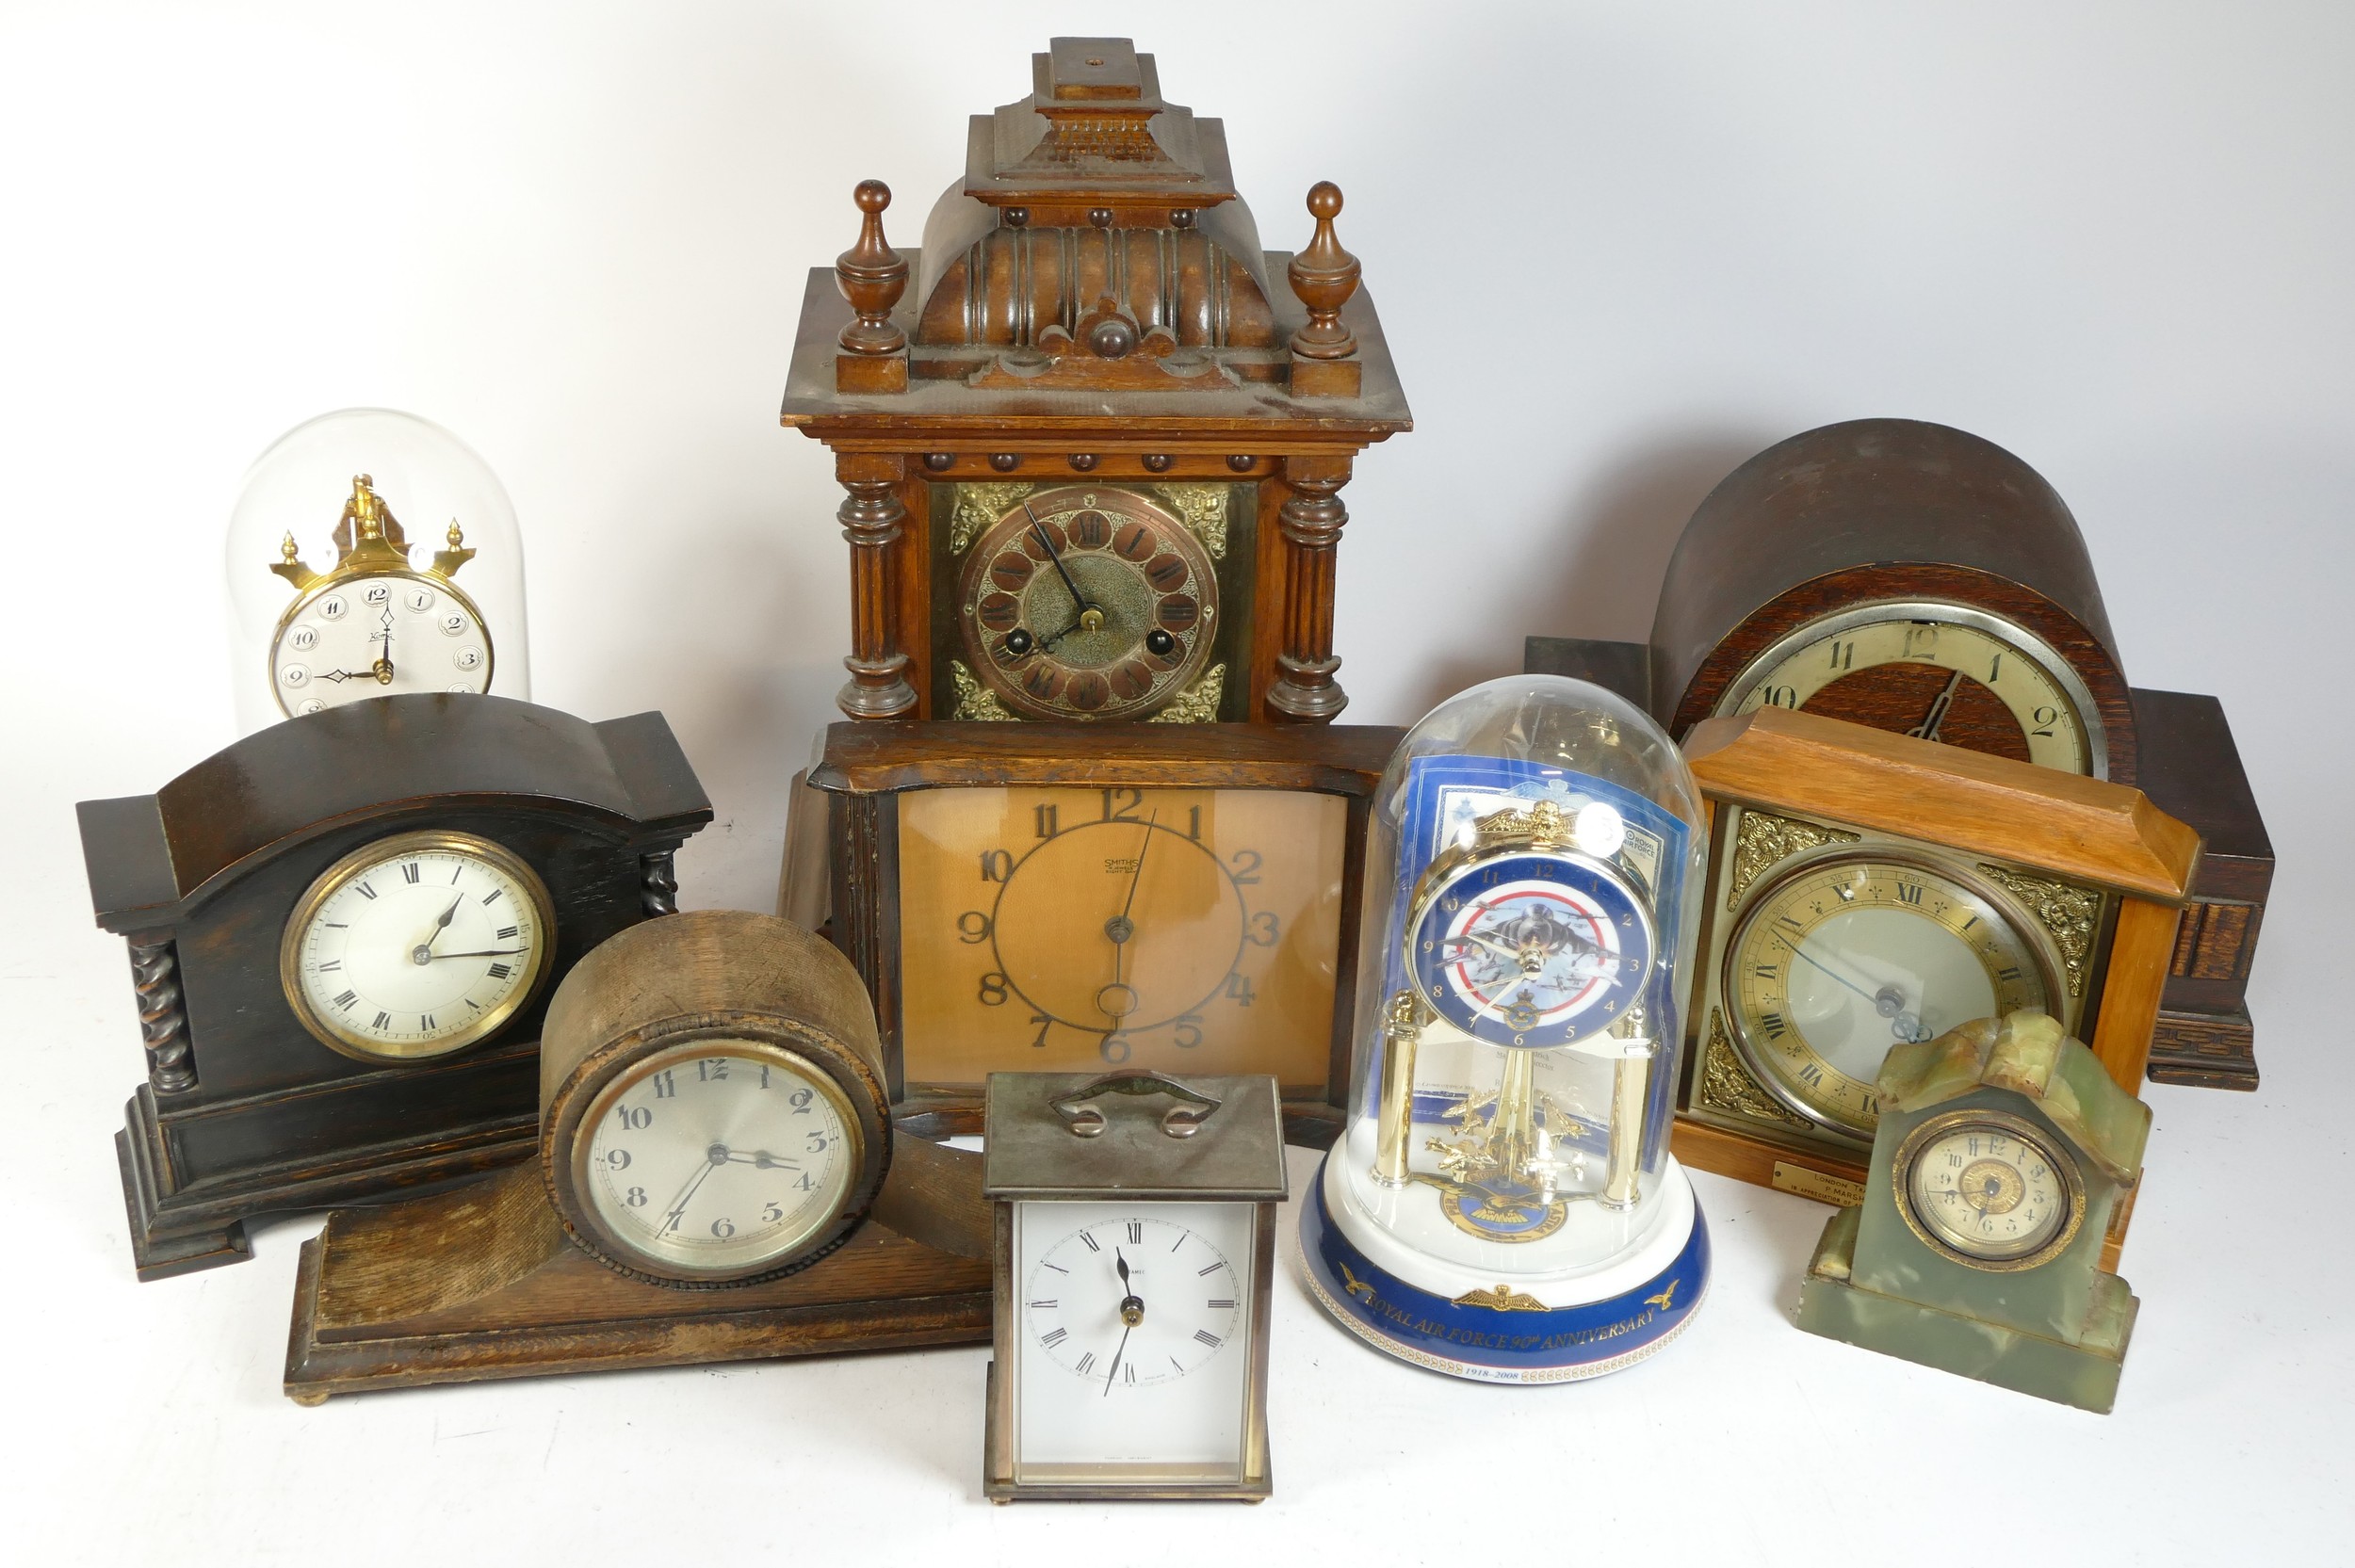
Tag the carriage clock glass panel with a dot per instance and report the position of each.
(719, 1154)
(332, 598)
(1935, 671)
(1135, 1338)
(417, 946)
(1087, 603)
(1191, 931)
(1503, 1206)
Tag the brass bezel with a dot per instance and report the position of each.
(341, 577)
(1900, 1177)
(1754, 1061)
(376, 852)
(575, 1107)
(1207, 591)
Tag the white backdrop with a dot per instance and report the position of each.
(1617, 248)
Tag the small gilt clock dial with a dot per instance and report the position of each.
(1087, 604)
(1936, 673)
(719, 1156)
(1842, 958)
(1987, 1191)
(1184, 929)
(416, 946)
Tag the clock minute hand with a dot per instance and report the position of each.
(484, 952)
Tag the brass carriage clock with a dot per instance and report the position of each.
(1093, 456)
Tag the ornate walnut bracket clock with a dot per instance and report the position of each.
(1867, 890)
(718, 1180)
(343, 932)
(2002, 1150)
(1135, 1264)
(1035, 897)
(1094, 456)
(1920, 580)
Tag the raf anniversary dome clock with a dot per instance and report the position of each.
(1919, 579)
(1093, 456)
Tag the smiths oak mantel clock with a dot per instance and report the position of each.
(344, 929)
(1919, 579)
(1093, 455)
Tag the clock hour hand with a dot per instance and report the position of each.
(1131, 1313)
(423, 951)
(383, 671)
(764, 1159)
(1927, 729)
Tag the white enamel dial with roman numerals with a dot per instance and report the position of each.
(417, 946)
(1134, 1346)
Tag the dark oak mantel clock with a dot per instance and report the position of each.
(1919, 579)
(344, 931)
(718, 1180)
(1094, 457)
(1062, 898)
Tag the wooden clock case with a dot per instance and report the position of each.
(244, 1111)
(868, 765)
(1892, 509)
(1091, 304)
(2088, 833)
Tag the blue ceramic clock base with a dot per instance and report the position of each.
(1524, 1331)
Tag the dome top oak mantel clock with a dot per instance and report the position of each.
(1093, 456)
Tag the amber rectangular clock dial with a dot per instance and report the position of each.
(1189, 931)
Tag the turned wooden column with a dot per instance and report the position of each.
(1311, 519)
(871, 515)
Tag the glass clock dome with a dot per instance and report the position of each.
(1503, 1204)
(371, 552)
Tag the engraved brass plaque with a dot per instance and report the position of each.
(1839, 1192)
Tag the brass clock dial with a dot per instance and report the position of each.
(1987, 1190)
(1183, 930)
(1843, 957)
(1937, 672)
(1087, 603)
(417, 946)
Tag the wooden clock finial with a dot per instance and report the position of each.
(1324, 275)
(872, 276)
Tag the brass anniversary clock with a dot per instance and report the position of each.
(1093, 455)
(1918, 579)
(344, 931)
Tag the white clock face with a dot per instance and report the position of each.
(718, 1156)
(378, 636)
(1987, 1191)
(417, 946)
(1133, 1347)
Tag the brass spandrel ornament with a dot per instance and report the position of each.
(1092, 306)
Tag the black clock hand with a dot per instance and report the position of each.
(384, 664)
(714, 1157)
(486, 952)
(423, 952)
(1078, 599)
(1131, 1313)
(764, 1160)
(1927, 729)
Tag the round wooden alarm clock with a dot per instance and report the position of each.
(1905, 575)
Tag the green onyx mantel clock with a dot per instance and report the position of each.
(2004, 1146)
(1919, 579)
(1094, 457)
(344, 931)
